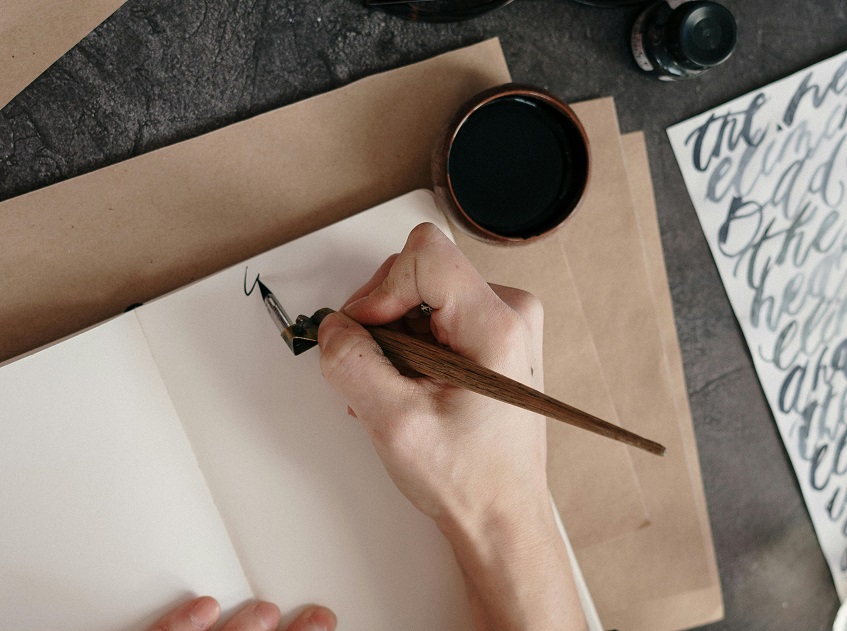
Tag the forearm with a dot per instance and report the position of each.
(517, 571)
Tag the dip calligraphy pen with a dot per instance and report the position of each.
(443, 365)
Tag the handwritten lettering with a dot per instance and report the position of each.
(724, 132)
(768, 177)
(836, 86)
(247, 292)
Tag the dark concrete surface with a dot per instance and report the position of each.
(159, 71)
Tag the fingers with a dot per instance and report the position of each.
(258, 616)
(353, 363)
(201, 613)
(195, 615)
(525, 304)
(431, 269)
(375, 280)
(314, 619)
(529, 310)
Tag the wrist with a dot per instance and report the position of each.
(516, 569)
(512, 529)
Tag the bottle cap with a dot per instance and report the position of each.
(707, 33)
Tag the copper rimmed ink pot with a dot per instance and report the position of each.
(512, 166)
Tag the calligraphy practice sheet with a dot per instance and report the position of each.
(767, 174)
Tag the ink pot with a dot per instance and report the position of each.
(675, 39)
(438, 10)
(512, 166)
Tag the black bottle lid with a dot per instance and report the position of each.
(707, 33)
(611, 4)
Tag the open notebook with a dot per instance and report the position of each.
(182, 449)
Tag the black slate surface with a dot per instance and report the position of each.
(160, 71)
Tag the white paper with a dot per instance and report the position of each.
(284, 461)
(766, 173)
(108, 519)
(592, 618)
(105, 519)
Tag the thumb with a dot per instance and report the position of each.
(430, 269)
(314, 619)
(354, 364)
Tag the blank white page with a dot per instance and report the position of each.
(105, 519)
(311, 512)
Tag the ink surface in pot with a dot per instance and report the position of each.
(517, 166)
(680, 39)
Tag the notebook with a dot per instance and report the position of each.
(181, 449)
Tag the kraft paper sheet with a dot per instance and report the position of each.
(600, 266)
(35, 33)
(607, 261)
(78, 252)
(703, 605)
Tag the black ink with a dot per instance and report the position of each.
(839, 358)
(818, 94)
(820, 452)
(728, 133)
(772, 181)
(823, 172)
(783, 340)
(253, 286)
(724, 167)
(517, 153)
(761, 300)
(836, 504)
(789, 401)
(829, 467)
(750, 209)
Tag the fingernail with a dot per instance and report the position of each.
(268, 615)
(321, 620)
(204, 612)
(350, 309)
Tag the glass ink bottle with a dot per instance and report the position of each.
(679, 39)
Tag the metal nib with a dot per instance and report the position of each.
(300, 335)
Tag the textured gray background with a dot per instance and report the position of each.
(159, 71)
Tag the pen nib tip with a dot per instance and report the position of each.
(262, 289)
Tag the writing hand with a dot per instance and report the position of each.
(201, 613)
(475, 465)
(453, 453)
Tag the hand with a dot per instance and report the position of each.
(458, 456)
(201, 613)
(475, 465)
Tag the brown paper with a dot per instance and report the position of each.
(705, 605)
(572, 373)
(603, 249)
(81, 251)
(662, 576)
(35, 33)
